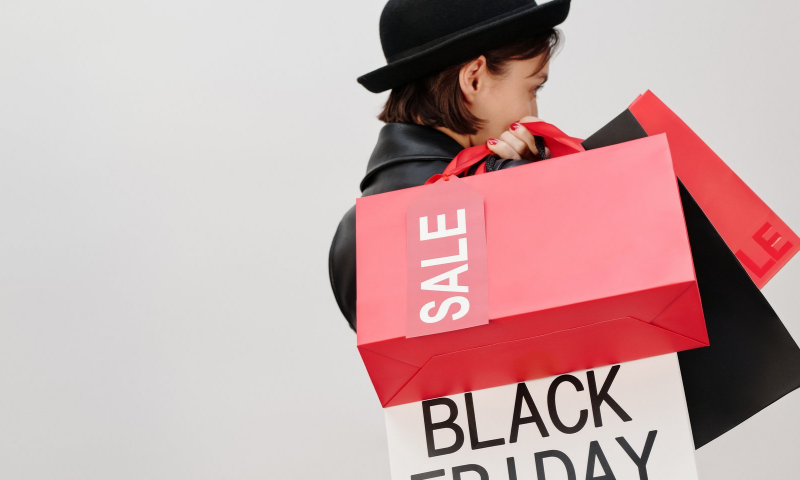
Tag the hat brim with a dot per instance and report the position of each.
(466, 45)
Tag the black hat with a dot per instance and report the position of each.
(420, 37)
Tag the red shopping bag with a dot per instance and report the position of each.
(588, 264)
(761, 241)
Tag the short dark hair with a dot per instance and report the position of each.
(436, 100)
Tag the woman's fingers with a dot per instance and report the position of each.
(503, 149)
(519, 145)
(524, 135)
(517, 142)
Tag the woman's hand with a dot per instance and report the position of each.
(517, 142)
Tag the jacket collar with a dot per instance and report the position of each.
(403, 142)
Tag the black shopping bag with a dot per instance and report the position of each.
(752, 360)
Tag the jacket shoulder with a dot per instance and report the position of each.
(408, 145)
(403, 173)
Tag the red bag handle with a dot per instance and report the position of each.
(557, 141)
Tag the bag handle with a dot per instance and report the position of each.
(558, 142)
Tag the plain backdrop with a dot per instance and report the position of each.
(172, 173)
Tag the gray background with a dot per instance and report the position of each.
(173, 172)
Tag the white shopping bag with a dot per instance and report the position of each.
(625, 421)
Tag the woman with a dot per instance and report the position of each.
(461, 73)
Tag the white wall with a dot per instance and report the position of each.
(172, 173)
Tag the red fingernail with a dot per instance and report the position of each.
(514, 126)
(492, 141)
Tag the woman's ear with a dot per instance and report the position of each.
(472, 78)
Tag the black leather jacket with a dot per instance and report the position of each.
(406, 155)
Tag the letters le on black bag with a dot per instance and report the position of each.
(752, 360)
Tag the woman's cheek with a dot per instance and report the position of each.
(534, 109)
(523, 110)
(524, 105)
